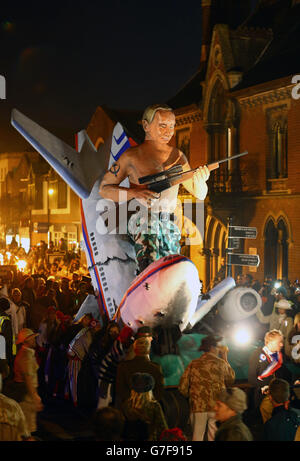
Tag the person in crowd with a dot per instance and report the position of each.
(230, 405)
(247, 280)
(47, 328)
(201, 381)
(54, 270)
(42, 271)
(65, 298)
(40, 288)
(268, 298)
(292, 345)
(47, 333)
(57, 360)
(21, 309)
(13, 426)
(80, 295)
(280, 293)
(284, 422)
(39, 309)
(239, 282)
(141, 405)
(108, 366)
(265, 363)
(279, 318)
(29, 296)
(49, 299)
(76, 278)
(140, 363)
(26, 371)
(108, 424)
(100, 348)
(77, 350)
(256, 285)
(6, 330)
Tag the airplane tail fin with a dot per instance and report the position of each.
(79, 170)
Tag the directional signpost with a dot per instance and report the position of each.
(242, 232)
(244, 260)
(235, 233)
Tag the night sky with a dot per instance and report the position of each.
(63, 59)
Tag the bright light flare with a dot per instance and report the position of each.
(21, 264)
(242, 336)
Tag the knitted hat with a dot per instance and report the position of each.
(283, 304)
(142, 382)
(234, 398)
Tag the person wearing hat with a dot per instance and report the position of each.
(230, 405)
(141, 405)
(26, 371)
(280, 319)
(201, 381)
(77, 350)
(140, 363)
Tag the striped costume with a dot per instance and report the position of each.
(78, 348)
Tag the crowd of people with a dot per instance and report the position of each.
(101, 366)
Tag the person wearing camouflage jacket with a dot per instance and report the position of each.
(202, 381)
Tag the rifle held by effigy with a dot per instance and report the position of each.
(159, 182)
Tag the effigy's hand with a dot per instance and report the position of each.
(199, 181)
(202, 173)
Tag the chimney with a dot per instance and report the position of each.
(206, 30)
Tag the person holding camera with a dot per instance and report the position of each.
(202, 381)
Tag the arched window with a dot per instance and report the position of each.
(282, 250)
(222, 127)
(277, 159)
(276, 249)
(279, 150)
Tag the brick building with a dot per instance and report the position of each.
(35, 200)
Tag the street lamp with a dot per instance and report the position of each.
(49, 194)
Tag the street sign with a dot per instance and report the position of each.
(243, 260)
(41, 227)
(243, 232)
(233, 243)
